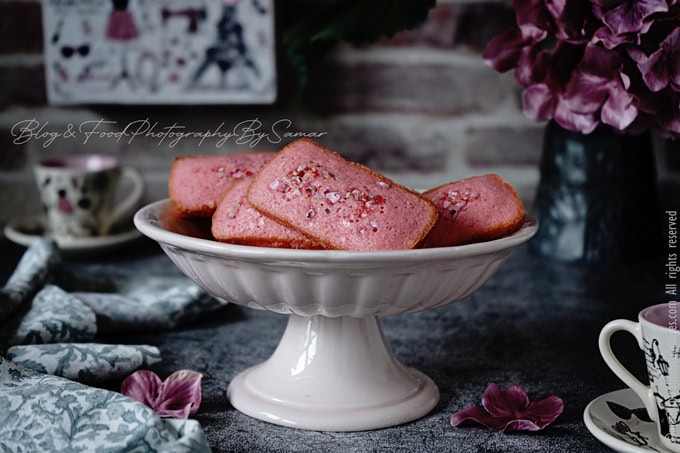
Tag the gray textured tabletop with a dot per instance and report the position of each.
(535, 323)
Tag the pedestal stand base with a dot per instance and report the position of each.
(333, 374)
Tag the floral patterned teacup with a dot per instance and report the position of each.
(658, 336)
(78, 194)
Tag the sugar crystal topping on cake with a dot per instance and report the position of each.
(339, 204)
(453, 201)
(234, 173)
(314, 181)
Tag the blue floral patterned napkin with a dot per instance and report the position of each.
(48, 337)
(85, 362)
(41, 412)
(55, 316)
(35, 268)
(149, 303)
(54, 331)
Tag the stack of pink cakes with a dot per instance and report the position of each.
(306, 196)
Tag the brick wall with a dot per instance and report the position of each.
(421, 107)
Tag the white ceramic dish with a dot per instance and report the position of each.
(25, 231)
(333, 369)
(618, 419)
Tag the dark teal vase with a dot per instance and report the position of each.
(597, 199)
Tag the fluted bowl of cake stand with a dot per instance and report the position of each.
(332, 370)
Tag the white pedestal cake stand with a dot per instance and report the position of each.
(333, 369)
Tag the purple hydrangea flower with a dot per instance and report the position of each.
(504, 50)
(533, 19)
(573, 20)
(544, 99)
(600, 85)
(584, 63)
(627, 16)
(539, 102)
(610, 40)
(662, 67)
(177, 397)
(511, 410)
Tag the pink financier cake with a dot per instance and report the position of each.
(197, 183)
(339, 204)
(237, 222)
(475, 209)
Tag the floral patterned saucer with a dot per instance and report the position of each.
(620, 421)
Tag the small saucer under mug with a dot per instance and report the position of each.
(25, 231)
(619, 420)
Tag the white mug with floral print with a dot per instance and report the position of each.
(658, 336)
(78, 193)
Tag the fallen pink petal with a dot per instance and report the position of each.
(510, 410)
(142, 386)
(178, 396)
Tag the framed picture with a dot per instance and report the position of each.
(159, 51)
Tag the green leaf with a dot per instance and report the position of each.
(302, 52)
(352, 21)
